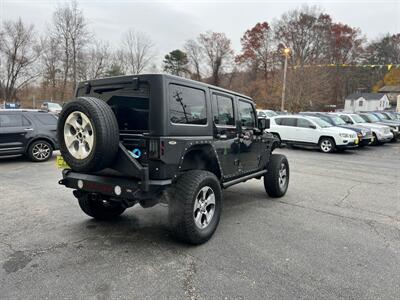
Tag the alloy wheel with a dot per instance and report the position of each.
(78, 135)
(326, 146)
(204, 207)
(41, 151)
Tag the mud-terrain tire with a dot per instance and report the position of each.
(98, 209)
(276, 180)
(195, 201)
(88, 134)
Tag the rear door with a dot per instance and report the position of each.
(250, 143)
(225, 132)
(15, 130)
(288, 129)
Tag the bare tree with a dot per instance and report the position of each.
(306, 32)
(195, 55)
(95, 61)
(218, 51)
(19, 52)
(137, 50)
(70, 28)
(51, 61)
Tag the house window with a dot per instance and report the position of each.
(360, 103)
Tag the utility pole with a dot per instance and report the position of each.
(286, 52)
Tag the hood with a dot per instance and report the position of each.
(373, 125)
(352, 127)
(335, 129)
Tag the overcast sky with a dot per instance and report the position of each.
(170, 23)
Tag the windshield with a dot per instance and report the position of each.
(357, 119)
(381, 116)
(54, 106)
(337, 121)
(321, 123)
(372, 117)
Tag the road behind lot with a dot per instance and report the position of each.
(336, 234)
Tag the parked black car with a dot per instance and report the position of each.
(29, 132)
(364, 135)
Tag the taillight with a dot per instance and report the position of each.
(154, 149)
(162, 147)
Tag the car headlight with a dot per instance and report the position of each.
(344, 135)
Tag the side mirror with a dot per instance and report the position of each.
(312, 126)
(263, 124)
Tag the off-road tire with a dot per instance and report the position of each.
(99, 210)
(327, 139)
(181, 206)
(272, 178)
(43, 144)
(105, 131)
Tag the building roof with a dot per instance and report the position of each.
(366, 96)
(390, 89)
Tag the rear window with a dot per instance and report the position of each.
(187, 105)
(13, 120)
(46, 119)
(129, 104)
(286, 121)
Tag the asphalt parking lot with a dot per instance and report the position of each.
(335, 235)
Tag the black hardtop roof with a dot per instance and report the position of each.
(129, 78)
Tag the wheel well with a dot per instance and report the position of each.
(326, 136)
(201, 158)
(40, 139)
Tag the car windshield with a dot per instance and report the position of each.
(372, 117)
(320, 122)
(358, 119)
(270, 113)
(381, 116)
(337, 121)
(54, 106)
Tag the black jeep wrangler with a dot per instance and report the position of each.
(150, 138)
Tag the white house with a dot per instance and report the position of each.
(366, 102)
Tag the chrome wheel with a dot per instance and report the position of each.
(78, 135)
(41, 151)
(326, 146)
(282, 176)
(204, 207)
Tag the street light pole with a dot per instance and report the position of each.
(286, 52)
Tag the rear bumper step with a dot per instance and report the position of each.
(127, 188)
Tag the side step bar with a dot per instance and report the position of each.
(244, 178)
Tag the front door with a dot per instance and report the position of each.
(250, 142)
(225, 133)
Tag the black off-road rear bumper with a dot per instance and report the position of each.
(117, 187)
(133, 180)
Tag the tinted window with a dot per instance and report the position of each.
(288, 122)
(303, 123)
(222, 107)
(187, 105)
(246, 114)
(46, 119)
(11, 121)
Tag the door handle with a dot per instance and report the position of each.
(222, 136)
(28, 129)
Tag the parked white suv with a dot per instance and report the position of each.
(381, 133)
(312, 131)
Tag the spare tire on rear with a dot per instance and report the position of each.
(88, 134)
